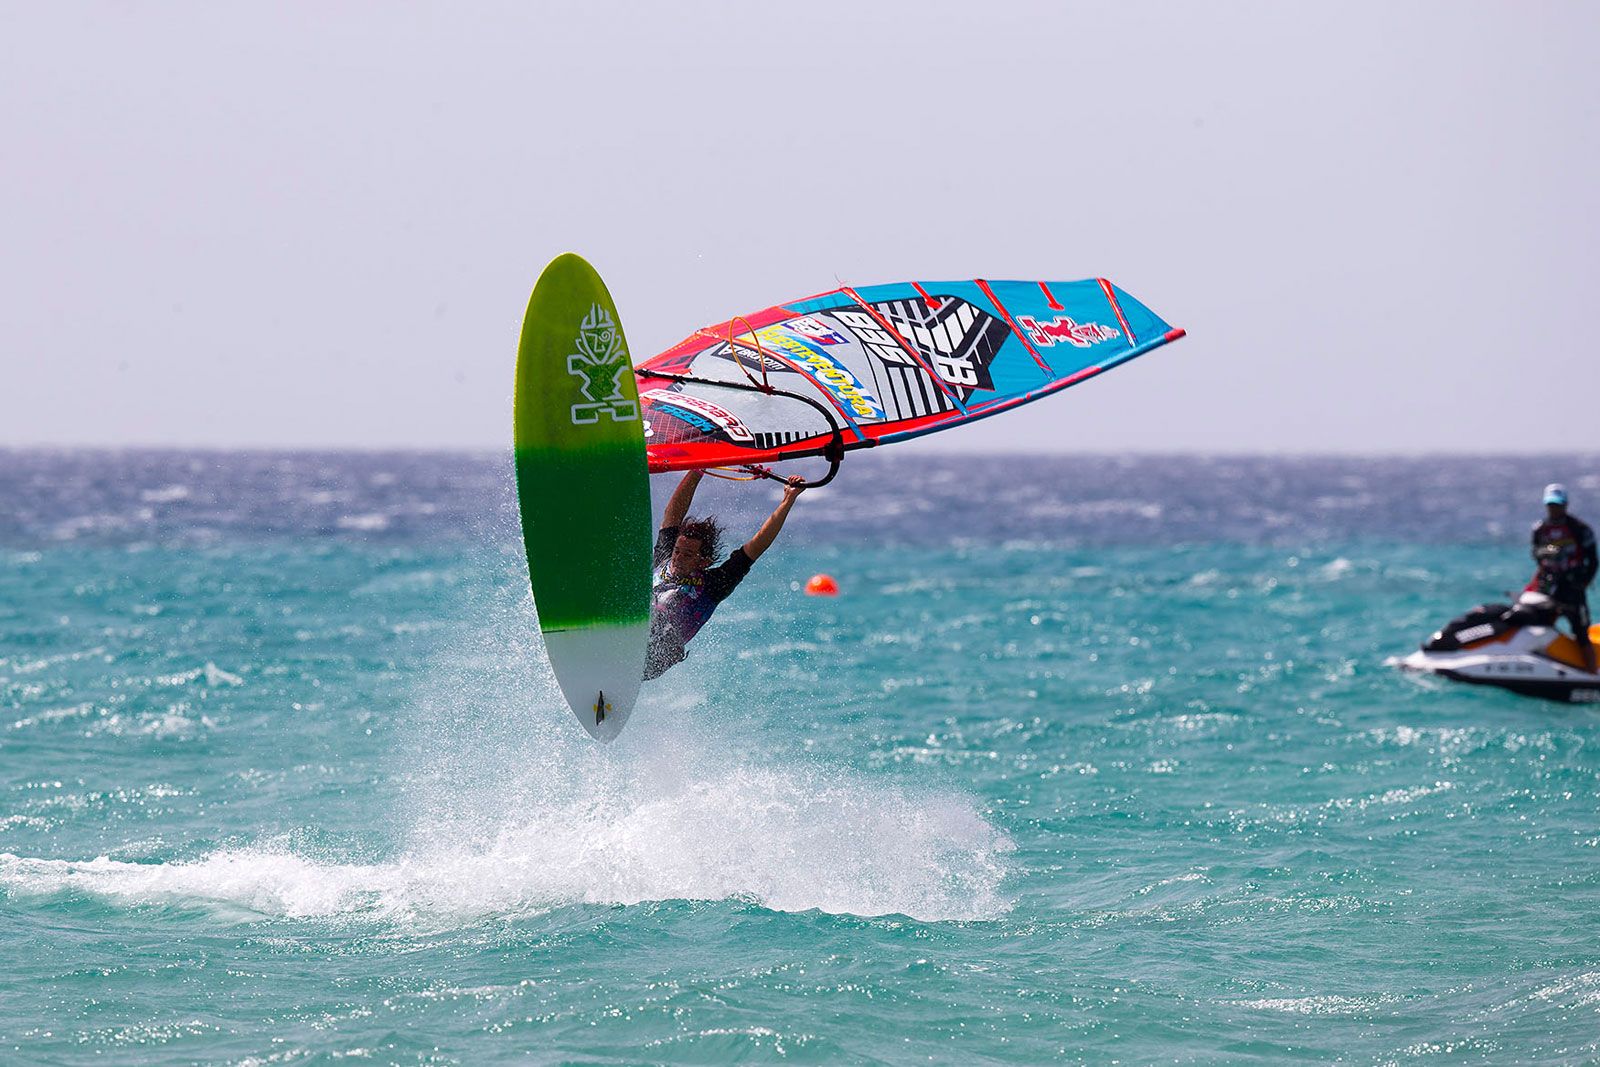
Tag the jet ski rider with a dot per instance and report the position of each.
(687, 588)
(1564, 548)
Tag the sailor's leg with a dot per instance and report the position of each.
(1579, 617)
(666, 651)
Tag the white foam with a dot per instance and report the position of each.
(263, 882)
(216, 676)
(370, 521)
(175, 722)
(514, 810)
(1329, 1004)
(766, 836)
(53, 715)
(1336, 569)
(213, 675)
(786, 840)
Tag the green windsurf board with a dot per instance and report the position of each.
(584, 493)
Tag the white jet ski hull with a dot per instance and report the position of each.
(1518, 663)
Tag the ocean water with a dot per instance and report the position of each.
(1094, 760)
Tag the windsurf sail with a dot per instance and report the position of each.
(854, 368)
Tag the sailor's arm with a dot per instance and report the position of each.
(682, 497)
(769, 529)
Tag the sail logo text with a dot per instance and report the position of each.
(815, 330)
(1064, 330)
(599, 364)
(834, 376)
(699, 411)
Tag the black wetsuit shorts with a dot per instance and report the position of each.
(1576, 612)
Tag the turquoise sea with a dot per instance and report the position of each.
(1093, 760)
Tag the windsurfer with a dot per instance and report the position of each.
(1564, 548)
(686, 587)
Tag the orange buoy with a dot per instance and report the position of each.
(822, 585)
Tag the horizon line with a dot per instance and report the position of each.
(492, 450)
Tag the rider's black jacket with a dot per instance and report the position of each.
(1565, 551)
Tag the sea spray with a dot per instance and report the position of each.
(684, 805)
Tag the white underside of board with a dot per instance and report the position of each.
(596, 660)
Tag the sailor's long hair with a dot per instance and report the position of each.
(708, 531)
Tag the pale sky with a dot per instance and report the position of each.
(317, 224)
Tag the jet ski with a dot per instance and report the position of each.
(1514, 646)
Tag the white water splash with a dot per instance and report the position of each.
(751, 834)
(514, 810)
